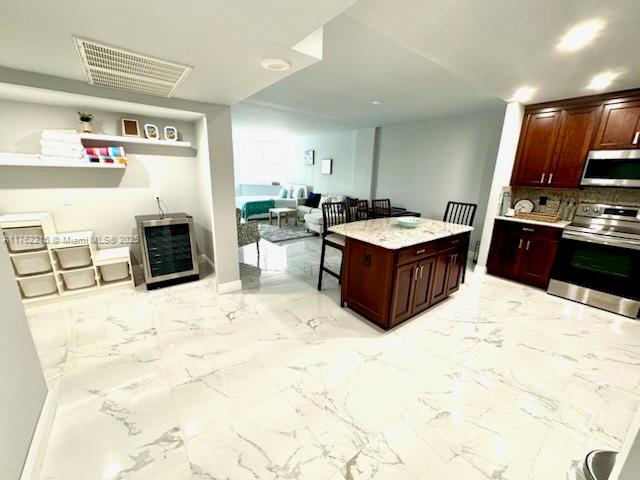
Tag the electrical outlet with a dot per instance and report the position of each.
(156, 195)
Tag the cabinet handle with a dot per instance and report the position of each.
(421, 269)
(528, 244)
(415, 274)
(550, 178)
(520, 244)
(542, 178)
(421, 251)
(636, 137)
(525, 229)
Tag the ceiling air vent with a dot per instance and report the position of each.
(110, 67)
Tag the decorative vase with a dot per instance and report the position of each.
(86, 127)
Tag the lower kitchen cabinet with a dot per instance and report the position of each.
(523, 252)
(391, 286)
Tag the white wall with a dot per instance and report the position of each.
(22, 386)
(422, 165)
(351, 151)
(104, 201)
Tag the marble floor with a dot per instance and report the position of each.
(499, 382)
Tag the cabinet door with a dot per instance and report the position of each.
(619, 126)
(402, 305)
(440, 278)
(423, 285)
(536, 261)
(504, 251)
(536, 148)
(456, 266)
(574, 140)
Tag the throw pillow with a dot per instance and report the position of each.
(349, 199)
(313, 200)
(283, 193)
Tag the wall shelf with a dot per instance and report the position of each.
(35, 160)
(94, 139)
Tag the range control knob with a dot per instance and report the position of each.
(596, 210)
(585, 208)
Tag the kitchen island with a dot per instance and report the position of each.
(391, 273)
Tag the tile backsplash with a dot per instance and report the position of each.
(565, 201)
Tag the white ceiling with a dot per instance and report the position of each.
(224, 40)
(360, 65)
(499, 45)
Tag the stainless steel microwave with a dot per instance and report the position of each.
(612, 168)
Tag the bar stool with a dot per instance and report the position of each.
(462, 214)
(381, 208)
(333, 213)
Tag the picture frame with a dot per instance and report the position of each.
(151, 131)
(171, 133)
(327, 166)
(309, 157)
(130, 127)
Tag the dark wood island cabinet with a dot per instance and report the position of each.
(391, 274)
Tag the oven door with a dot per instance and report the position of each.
(602, 265)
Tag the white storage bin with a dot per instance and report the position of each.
(31, 263)
(74, 257)
(79, 279)
(115, 271)
(38, 286)
(23, 239)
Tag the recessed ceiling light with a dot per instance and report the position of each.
(523, 94)
(376, 102)
(276, 64)
(580, 35)
(602, 80)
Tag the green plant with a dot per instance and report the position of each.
(85, 117)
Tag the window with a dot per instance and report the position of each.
(260, 162)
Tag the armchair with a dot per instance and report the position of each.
(248, 232)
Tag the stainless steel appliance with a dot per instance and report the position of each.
(612, 168)
(598, 259)
(168, 249)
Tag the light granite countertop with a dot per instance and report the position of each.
(558, 224)
(386, 233)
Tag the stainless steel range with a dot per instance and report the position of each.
(598, 260)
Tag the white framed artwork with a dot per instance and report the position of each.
(327, 166)
(309, 157)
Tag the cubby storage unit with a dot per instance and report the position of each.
(59, 264)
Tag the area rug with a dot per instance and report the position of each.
(273, 234)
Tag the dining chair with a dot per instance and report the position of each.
(333, 213)
(381, 208)
(462, 214)
(357, 210)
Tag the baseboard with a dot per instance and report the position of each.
(229, 287)
(35, 456)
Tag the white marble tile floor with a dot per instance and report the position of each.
(500, 382)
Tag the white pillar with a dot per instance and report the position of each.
(628, 460)
(223, 222)
(513, 116)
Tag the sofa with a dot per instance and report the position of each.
(245, 194)
(313, 216)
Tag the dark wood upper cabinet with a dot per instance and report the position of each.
(619, 126)
(557, 136)
(574, 140)
(536, 148)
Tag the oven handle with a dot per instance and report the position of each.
(615, 242)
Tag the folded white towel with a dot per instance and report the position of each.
(75, 147)
(60, 152)
(67, 136)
